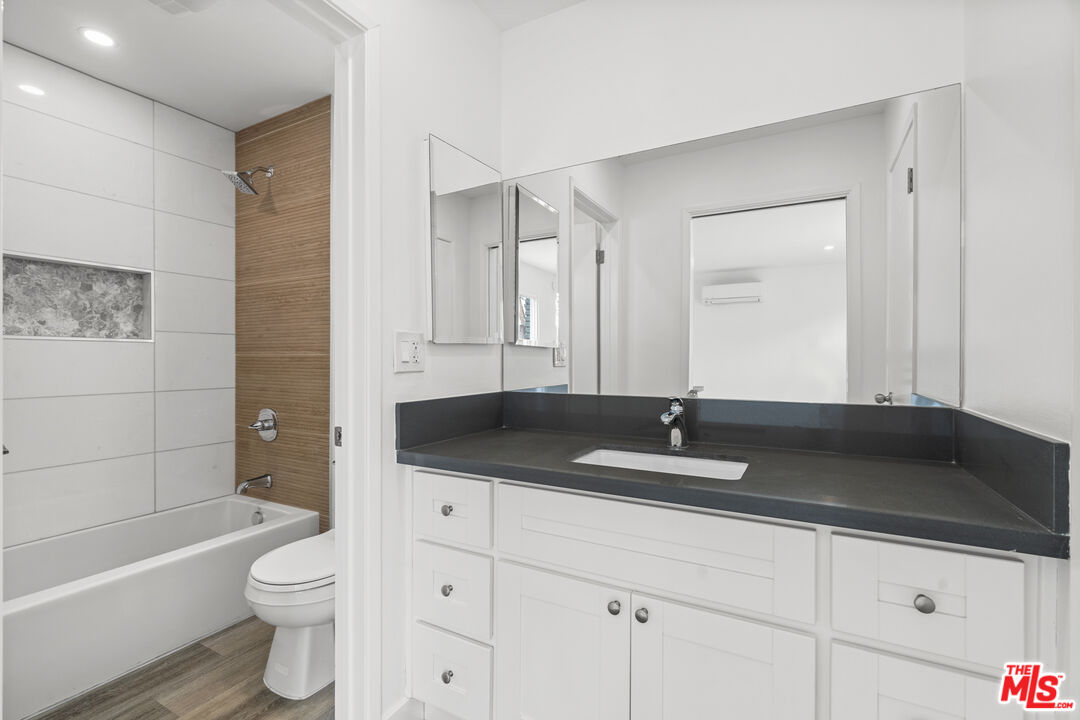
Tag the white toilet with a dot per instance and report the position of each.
(292, 588)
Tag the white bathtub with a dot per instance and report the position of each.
(83, 608)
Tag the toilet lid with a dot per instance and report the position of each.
(304, 561)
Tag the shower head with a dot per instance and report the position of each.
(242, 179)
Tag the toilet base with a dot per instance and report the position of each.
(301, 661)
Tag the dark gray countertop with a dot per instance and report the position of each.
(913, 498)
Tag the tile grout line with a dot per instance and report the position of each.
(152, 147)
(146, 453)
(149, 208)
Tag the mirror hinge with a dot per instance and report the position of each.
(910, 180)
(337, 436)
(600, 257)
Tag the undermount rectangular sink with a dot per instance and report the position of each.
(663, 463)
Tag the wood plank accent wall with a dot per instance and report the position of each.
(283, 306)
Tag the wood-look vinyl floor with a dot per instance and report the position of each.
(219, 678)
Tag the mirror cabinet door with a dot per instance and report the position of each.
(815, 260)
(465, 247)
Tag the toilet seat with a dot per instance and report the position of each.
(303, 565)
(299, 587)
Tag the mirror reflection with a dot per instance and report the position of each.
(466, 247)
(815, 260)
(536, 296)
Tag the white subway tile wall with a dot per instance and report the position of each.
(100, 431)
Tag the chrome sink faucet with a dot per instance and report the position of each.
(262, 481)
(675, 419)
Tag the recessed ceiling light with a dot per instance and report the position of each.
(97, 37)
(830, 247)
(31, 89)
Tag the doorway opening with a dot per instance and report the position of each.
(594, 261)
(768, 304)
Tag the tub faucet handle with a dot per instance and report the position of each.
(266, 425)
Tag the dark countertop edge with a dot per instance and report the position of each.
(1046, 544)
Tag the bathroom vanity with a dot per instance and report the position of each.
(840, 541)
(819, 585)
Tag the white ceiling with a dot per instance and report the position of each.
(771, 237)
(234, 63)
(511, 13)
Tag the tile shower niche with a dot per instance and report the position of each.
(49, 298)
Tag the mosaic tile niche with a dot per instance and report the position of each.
(54, 299)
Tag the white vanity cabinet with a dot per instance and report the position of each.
(571, 649)
(872, 686)
(687, 662)
(544, 604)
(563, 647)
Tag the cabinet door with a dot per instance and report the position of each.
(870, 686)
(692, 663)
(563, 648)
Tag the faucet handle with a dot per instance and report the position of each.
(676, 404)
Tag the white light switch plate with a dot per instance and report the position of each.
(410, 352)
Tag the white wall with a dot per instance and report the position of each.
(790, 347)
(104, 430)
(1020, 179)
(439, 73)
(609, 77)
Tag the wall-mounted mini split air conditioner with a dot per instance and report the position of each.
(731, 293)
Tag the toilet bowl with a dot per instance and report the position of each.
(292, 588)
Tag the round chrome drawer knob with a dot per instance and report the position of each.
(446, 510)
(446, 590)
(642, 615)
(447, 676)
(614, 607)
(924, 604)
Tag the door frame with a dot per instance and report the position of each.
(607, 342)
(856, 374)
(908, 133)
(355, 327)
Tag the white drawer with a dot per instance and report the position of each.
(452, 589)
(978, 602)
(752, 565)
(451, 673)
(454, 509)
(870, 686)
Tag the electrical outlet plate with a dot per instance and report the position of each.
(410, 352)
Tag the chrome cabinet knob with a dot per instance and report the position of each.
(614, 607)
(642, 615)
(924, 604)
(446, 590)
(882, 399)
(446, 510)
(447, 676)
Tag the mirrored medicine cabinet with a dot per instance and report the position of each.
(814, 260)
